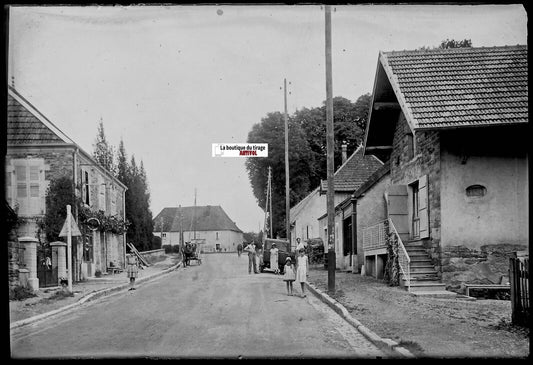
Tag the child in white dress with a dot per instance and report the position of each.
(301, 270)
(288, 275)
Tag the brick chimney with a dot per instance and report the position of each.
(344, 152)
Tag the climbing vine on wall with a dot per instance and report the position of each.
(392, 267)
(108, 223)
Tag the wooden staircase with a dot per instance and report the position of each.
(424, 277)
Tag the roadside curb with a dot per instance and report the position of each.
(88, 297)
(382, 343)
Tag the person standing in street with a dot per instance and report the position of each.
(301, 270)
(288, 275)
(274, 259)
(251, 257)
(239, 249)
(132, 269)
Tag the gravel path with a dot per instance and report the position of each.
(429, 327)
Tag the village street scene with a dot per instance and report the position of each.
(267, 182)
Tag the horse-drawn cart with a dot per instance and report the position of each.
(192, 251)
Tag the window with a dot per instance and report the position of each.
(85, 187)
(28, 184)
(102, 196)
(410, 146)
(113, 194)
(476, 191)
(415, 207)
(164, 235)
(217, 235)
(88, 248)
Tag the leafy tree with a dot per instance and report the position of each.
(138, 213)
(449, 43)
(271, 130)
(60, 193)
(103, 151)
(307, 151)
(452, 43)
(349, 123)
(122, 164)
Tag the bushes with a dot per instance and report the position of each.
(20, 293)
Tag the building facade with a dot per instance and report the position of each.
(452, 124)
(39, 153)
(177, 225)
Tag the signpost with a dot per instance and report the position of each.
(70, 228)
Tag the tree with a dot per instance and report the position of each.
(103, 151)
(271, 130)
(349, 123)
(307, 151)
(138, 213)
(449, 43)
(60, 193)
(452, 43)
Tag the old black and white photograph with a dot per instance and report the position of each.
(267, 181)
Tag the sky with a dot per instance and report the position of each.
(172, 80)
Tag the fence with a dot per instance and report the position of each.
(403, 257)
(374, 236)
(519, 279)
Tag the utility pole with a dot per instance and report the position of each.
(181, 228)
(194, 216)
(270, 201)
(268, 206)
(287, 200)
(330, 145)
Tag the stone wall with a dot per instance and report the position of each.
(426, 161)
(487, 265)
(13, 255)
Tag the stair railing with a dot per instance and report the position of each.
(403, 258)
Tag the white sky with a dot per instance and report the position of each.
(172, 80)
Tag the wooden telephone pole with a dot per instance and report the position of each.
(268, 207)
(287, 200)
(330, 145)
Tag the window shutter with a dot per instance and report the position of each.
(423, 210)
(9, 190)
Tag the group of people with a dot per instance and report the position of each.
(291, 271)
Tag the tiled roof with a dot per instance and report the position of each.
(460, 86)
(206, 218)
(353, 173)
(23, 127)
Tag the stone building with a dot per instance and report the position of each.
(38, 152)
(304, 216)
(453, 126)
(209, 223)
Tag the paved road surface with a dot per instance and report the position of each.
(212, 310)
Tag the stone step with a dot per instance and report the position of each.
(420, 261)
(416, 250)
(423, 269)
(424, 276)
(414, 243)
(426, 286)
(435, 294)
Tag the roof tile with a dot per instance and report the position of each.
(463, 86)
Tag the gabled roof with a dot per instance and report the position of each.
(302, 203)
(460, 87)
(26, 125)
(353, 172)
(199, 218)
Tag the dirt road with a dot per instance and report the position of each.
(212, 310)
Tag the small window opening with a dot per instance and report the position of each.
(476, 191)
